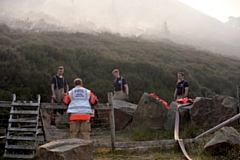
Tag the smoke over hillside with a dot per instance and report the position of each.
(131, 18)
(152, 19)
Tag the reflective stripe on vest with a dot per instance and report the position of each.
(75, 117)
(93, 99)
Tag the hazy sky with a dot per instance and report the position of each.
(219, 9)
(150, 18)
(122, 16)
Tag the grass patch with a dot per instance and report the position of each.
(145, 134)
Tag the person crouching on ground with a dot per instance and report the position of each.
(80, 100)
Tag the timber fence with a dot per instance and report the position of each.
(103, 131)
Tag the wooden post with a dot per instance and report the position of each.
(112, 120)
(219, 126)
(238, 98)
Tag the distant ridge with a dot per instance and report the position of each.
(142, 18)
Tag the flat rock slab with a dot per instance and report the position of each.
(67, 149)
(223, 141)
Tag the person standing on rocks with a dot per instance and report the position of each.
(121, 90)
(80, 101)
(182, 87)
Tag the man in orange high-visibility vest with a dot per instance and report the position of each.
(80, 100)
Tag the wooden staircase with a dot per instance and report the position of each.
(25, 129)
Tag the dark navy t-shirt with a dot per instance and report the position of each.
(58, 82)
(119, 84)
(181, 87)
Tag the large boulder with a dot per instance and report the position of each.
(223, 141)
(184, 116)
(67, 149)
(59, 131)
(123, 113)
(209, 112)
(150, 113)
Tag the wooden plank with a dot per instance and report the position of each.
(102, 145)
(112, 120)
(22, 129)
(62, 106)
(21, 138)
(24, 112)
(53, 106)
(23, 120)
(41, 130)
(143, 143)
(20, 147)
(150, 143)
(20, 104)
(2, 137)
(18, 156)
(5, 104)
(101, 106)
(143, 149)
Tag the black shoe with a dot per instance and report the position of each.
(55, 111)
(53, 123)
(60, 111)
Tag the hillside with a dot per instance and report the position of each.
(29, 59)
(161, 19)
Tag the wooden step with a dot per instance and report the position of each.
(18, 156)
(22, 120)
(22, 129)
(24, 112)
(22, 104)
(20, 147)
(21, 138)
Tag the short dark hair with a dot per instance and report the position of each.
(180, 73)
(115, 71)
